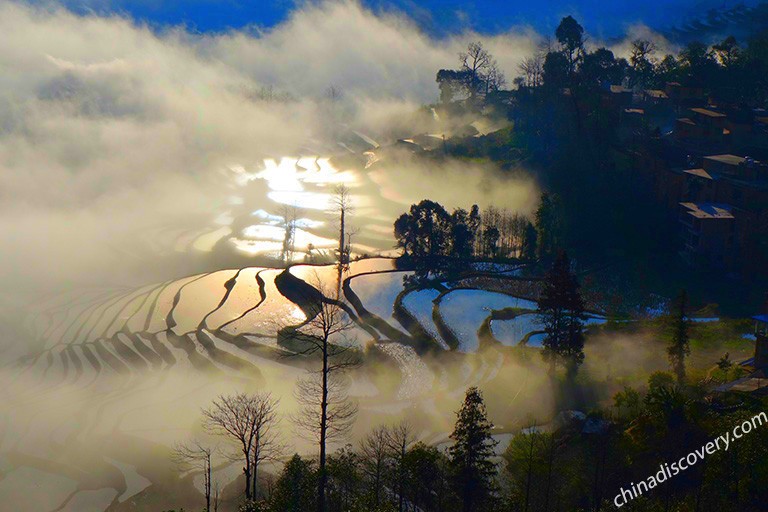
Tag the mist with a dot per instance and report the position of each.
(121, 147)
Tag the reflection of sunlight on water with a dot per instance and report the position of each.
(305, 183)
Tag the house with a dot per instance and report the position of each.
(742, 184)
(702, 129)
(708, 232)
(684, 95)
(654, 97)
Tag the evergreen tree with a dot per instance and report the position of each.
(679, 346)
(471, 454)
(529, 242)
(295, 489)
(549, 225)
(561, 310)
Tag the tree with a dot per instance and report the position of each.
(374, 451)
(481, 70)
(249, 421)
(428, 486)
(570, 35)
(561, 310)
(556, 74)
(462, 233)
(289, 215)
(601, 67)
(326, 410)
(425, 231)
(528, 251)
(628, 399)
(471, 453)
(532, 69)
(398, 440)
(344, 481)
(641, 61)
(341, 203)
(451, 83)
(727, 52)
(530, 461)
(679, 346)
(195, 456)
(549, 225)
(295, 489)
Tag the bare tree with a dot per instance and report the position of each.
(195, 456)
(482, 70)
(532, 69)
(249, 421)
(289, 214)
(399, 438)
(326, 412)
(374, 450)
(341, 204)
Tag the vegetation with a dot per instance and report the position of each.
(561, 310)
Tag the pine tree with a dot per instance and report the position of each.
(471, 454)
(295, 489)
(679, 346)
(561, 310)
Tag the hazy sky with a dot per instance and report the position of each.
(604, 19)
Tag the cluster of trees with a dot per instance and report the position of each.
(726, 69)
(389, 471)
(564, 123)
(477, 77)
(584, 464)
(428, 232)
(576, 463)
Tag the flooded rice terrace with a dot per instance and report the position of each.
(117, 375)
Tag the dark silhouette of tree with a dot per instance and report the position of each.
(549, 225)
(344, 481)
(425, 231)
(532, 69)
(601, 67)
(471, 454)
(679, 346)
(399, 438)
(196, 456)
(326, 411)
(249, 421)
(451, 83)
(529, 248)
(374, 454)
(481, 70)
(561, 310)
(295, 489)
(641, 62)
(429, 487)
(555, 71)
(727, 52)
(570, 35)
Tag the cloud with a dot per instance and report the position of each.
(109, 128)
(114, 134)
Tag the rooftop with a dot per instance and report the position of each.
(761, 318)
(701, 173)
(706, 112)
(726, 159)
(656, 93)
(708, 210)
